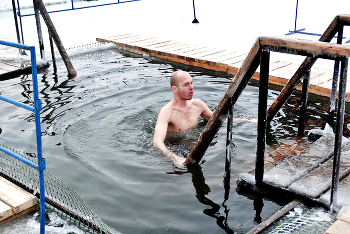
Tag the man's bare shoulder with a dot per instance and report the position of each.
(198, 102)
(166, 111)
(168, 107)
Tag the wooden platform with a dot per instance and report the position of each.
(306, 170)
(10, 69)
(218, 60)
(15, 68)
(14, 201)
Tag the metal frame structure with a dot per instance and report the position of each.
(68, 9)
(260, 55)
(41, 166)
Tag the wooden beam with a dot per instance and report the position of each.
(236, 87)
(303, 47)
(56, 38)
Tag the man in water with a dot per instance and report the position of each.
(181, 113)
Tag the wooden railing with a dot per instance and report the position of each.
(336, 26)
(260, 55)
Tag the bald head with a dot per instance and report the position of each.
(174, 79)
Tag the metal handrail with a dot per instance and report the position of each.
(260, 55)
(41, 166)
(336, 26)
(79, 8)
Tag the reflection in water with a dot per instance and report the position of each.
(202, 189)
(258, 205)
(54, 97)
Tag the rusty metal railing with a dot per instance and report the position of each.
(260, 55)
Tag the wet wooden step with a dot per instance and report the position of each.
(293, 168)
(322, 176)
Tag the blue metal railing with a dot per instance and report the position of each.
(41, 166)
(77, 8)
(68, 9)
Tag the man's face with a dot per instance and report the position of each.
(185, 86)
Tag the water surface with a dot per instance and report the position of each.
(97, 138)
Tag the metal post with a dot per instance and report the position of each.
(195, 21)
(16, 24)
(41, 161)
(38, 28)
(304, 100)
(296, 17)
(335, 80)
(56, 38)
(20, 23)
(338, 133)
(227, 174)
(262, 107)
(52, 54)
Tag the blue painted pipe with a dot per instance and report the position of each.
(37, 108)
(78, 8)
(20, 158)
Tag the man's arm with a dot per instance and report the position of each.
(159, 136)
(206, 112)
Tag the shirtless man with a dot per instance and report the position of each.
(181, 113)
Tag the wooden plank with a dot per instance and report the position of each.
(321, 177)
(147, 44)
(5, 211)
(15, 197)
(311, 48)
(202, 56)
(163, 45)
(286, 71)
(234, 60)
(197, 53)
(223, 59)
(278, 64)
(342, 194)
(7, 67)
(321, 79)
(262, 226)
(316, 71)
(129, 40)
(293, 168)
(141, 42)
(346, 216)
(345, 19)
(216, 56)
(325, 77)
(20, 214)
(121, 36)
(114, 38)
(187, 51)
(339, 227)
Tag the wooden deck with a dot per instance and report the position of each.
(218, 60)
(14, 201)
(15, 68)
(10, 69)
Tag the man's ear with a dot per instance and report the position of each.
(174, 88)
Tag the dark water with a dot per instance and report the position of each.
(97, 138)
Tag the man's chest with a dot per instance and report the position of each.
(184, 119)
